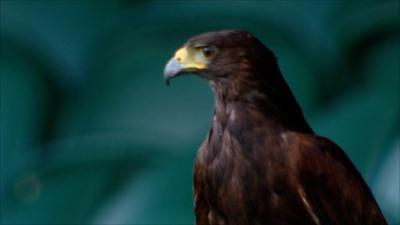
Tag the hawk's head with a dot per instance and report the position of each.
(220, 54)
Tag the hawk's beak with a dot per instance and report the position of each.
(185, 60)
(172, 69)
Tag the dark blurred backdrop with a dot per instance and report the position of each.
(91, 135)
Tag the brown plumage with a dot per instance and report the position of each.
(261, 163)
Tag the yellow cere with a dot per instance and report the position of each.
(190, 59)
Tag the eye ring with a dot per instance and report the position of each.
(208, 51)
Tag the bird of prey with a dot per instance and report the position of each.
(261, 163)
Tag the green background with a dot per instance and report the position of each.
(91, 135)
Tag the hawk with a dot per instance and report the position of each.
(261, 162)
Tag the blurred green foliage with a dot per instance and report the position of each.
(91, 135)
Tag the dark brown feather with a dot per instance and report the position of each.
(261, 163)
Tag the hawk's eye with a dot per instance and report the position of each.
(208, 51)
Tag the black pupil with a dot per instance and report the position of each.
(208, 51)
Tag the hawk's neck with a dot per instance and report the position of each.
(246, 108)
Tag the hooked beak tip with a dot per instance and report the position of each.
(167, 81)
